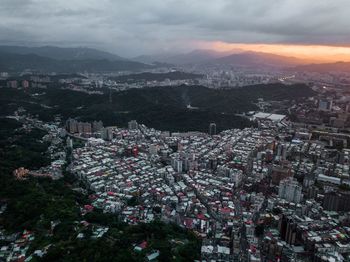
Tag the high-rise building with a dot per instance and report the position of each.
(4, 74)
(132, 125)
(25, 84)
(80, 127)
(69, 142)
(86, 127)
(97, 126)
(288, 229)
(290, 190)
(212, 129)
(176, 163)
(107, 133)
(213, 162)
(325, 105)
(281, 151)
(337, 201)
(12, 84)
(280, 172)
(72, 126)
(83, 127)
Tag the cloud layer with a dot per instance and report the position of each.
(146, 26)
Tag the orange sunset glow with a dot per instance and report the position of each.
(311, 53)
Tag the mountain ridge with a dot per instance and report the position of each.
(12, 62)
(62, 53)
(192, 57)
(235, 56)
(340, 66)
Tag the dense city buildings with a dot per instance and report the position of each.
(224, 188)
(275, 191)
(198, 131)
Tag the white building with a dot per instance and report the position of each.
(290, 190)
(176, 163)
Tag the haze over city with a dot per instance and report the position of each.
(315, 30)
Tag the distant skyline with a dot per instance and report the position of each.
(315, 30)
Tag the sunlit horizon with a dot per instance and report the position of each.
(309, 53)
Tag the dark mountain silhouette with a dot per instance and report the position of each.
(12, 62)
(235, 57)
(193, 57)
(60, 53)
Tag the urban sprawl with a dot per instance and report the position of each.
(276, 192)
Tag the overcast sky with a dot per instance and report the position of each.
(133, 27)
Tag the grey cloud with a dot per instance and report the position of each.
(138, 26)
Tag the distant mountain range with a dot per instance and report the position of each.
(241, 58)
(193, 57)
(59, 53)
(324, 68)
(80, 59)
(63, 60)
(256, 59)
(235, 57)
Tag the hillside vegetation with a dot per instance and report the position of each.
(164, 108)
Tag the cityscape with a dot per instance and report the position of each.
(233, 145)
